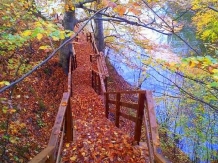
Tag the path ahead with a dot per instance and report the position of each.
(97, 139)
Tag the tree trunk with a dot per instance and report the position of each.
(69, 23)
(99, 32)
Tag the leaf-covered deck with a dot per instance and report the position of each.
(97, 139)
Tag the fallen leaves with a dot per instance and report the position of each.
(97, 138)
(29, 120)
(64, 104)
(73, 158)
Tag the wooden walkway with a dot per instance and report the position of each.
(96, 138)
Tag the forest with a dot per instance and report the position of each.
(169, 47)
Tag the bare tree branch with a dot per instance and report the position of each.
(172, 30)
(121, 19)
(212, 8)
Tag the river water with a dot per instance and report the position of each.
(134, 64)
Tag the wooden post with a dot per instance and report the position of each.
(117, 109)
(148, 138)
(106, 95)
(92, 79)
(96, 80)
(68, 121)
(140, 113)
(90, 34)
(105, 83)
(99, 85)
(75, 62)
(56, 130)
(71, 86)
(152, 119)
(90, 58)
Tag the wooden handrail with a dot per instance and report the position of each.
(44, 155)
(102, 73)
(126, 92)
(59, 120)
(93, 43)
(63, 121)
(151, 127)
(98, 81)
(50, 153)
(159, 158)
(152, 119)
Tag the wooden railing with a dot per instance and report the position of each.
(144, 111)
(90, 37)
(63, 124)
(139, 107)
(99, 76)
(73, 60)
(144, 107)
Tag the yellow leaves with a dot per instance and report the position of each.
(26, 5)
(62, 35)
(22, 125)
(193, 63)
(3, 83)
(110, 39)
(39, 36)
(67, 145)
(11, 111)
(55, 38)
(215, 77)
(13, 140)
(73, 8)
(66, 7)
(69, 7)
(26, 33)
(205, 20)
(15, 127)
(215, 74)
(215, 71)
(44, 47)
(73, 158)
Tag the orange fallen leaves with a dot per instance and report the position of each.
(97, 139)
(64, 104)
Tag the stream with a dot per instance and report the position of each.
(132, 66)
